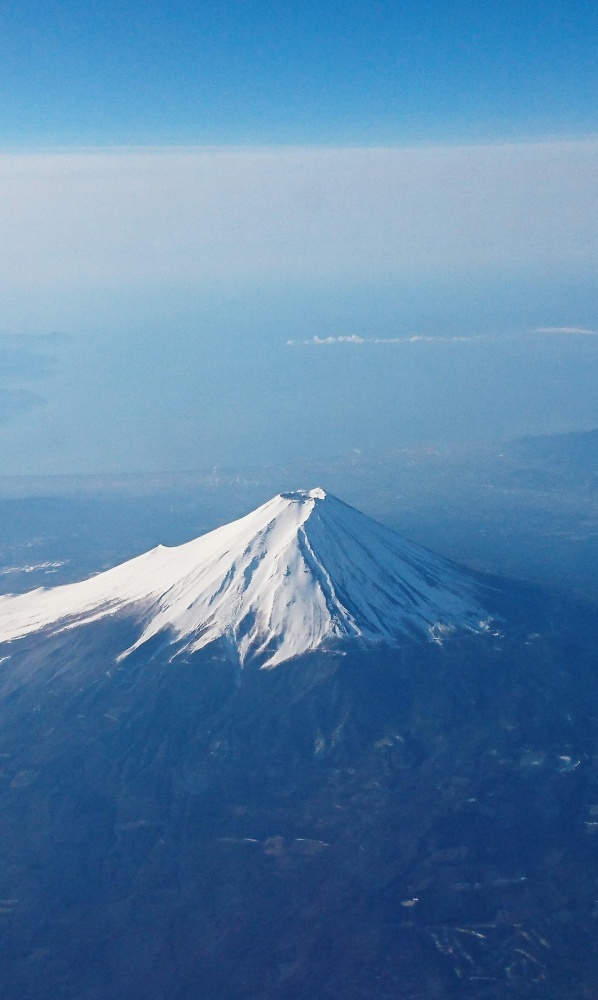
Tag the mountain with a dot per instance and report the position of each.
(299, 573)
(395, 811)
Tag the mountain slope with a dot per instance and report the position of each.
(299, 573)
(368, 821)
(413, 823)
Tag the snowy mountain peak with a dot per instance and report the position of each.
(300, 496)
(304, 571)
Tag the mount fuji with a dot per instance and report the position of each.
(302, 572)
(384, 814)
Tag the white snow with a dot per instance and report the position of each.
(298, 573)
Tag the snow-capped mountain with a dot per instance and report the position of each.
(389, 822)
(301, 572)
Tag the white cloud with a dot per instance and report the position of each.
(355, 339)
(317, 341)
(575, 330)
(350, 339)
(109, 218)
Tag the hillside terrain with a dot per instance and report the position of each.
(412, 818)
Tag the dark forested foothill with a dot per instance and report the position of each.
(419, 823)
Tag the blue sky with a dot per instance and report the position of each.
(248, 232)
(300, 72)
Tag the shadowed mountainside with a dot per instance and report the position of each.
(416, 823)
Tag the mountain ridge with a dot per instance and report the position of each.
(301, 572)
